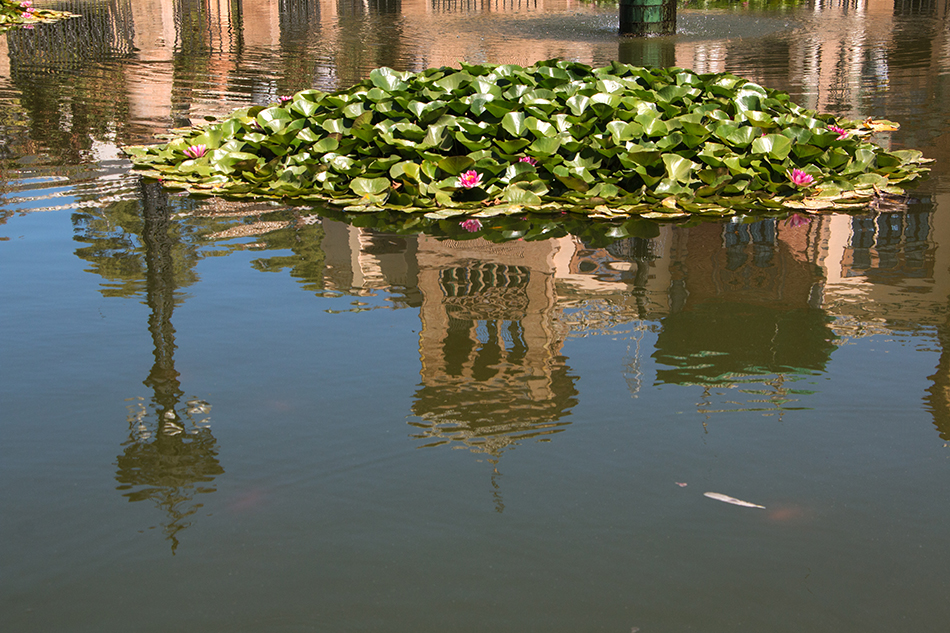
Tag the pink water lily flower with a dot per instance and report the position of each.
(285, 98)
(26, 4)
(471, 225)
(527, 159)
(800, 178)
(470, 179)
(196, 151)
(842, 133)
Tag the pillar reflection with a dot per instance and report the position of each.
(493, 374)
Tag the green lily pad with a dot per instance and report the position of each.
(605, 143)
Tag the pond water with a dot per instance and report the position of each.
(253, 417)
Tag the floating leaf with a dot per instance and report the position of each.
(363, 186)
(455, 165)
(776, 146)
(514, 123)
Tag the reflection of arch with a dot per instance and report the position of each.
(484, 290)
(492, 372)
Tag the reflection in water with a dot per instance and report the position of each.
(58, 70)
(491, 364)
(652, 52)
(699, 308)
(752, 306)
(747, 308)
(492, 371)
(332, 258)
(892, 246)
(166, 461)
(729, 301)
(938, 394)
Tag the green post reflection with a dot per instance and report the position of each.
(650, 52)
(166, 461)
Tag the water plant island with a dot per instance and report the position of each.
(553, 138)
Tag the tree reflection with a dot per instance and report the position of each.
(165, 461)
(117, 247)
(938, 394)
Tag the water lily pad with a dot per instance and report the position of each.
(603, 143)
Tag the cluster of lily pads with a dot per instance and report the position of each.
(559, 136)
(23, 13)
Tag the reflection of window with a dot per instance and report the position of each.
(915, 7)
(621, 261)
(889, 243)
(296, 16)
(370, 7)
(862, 239)
(736, 237)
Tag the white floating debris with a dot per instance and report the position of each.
(732, 500)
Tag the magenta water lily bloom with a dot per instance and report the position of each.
(470, 179)
(471, 225)
(800, 178)
(196, 151)
(527, 159)
(842, 133)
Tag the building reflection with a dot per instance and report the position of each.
(747, 305)
(490, 348)
(757, 304)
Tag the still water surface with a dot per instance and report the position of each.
(249, 417)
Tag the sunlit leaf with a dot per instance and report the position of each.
(775, 145)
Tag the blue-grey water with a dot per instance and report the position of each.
(254, 417)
